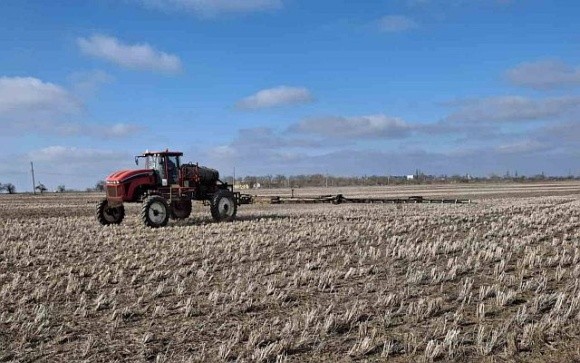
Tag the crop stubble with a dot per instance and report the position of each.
(494, 280)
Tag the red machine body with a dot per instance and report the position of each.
(128, 185)
(167, 188)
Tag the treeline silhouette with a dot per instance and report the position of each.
(321, 180)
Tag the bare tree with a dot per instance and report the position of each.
(41, 188)
(10, 188)
(100, 186)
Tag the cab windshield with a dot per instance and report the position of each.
(157, 163)
(154, 162)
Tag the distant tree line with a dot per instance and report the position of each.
(321, 180)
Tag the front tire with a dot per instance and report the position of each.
(223, 206)
(155, 212)
(109, 215)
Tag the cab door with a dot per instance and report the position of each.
(172, 169)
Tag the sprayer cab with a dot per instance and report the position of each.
(165, 164)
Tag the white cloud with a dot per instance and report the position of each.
(397, 23)
(373, 126)
(133, 56)
(118, 130)
(525, 146)
(87, 83)
(30, 96)
(512, 108)
(277, 96)
(29, 105)
(544, 74)
(213, 7)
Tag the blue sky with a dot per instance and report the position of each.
(289, 86)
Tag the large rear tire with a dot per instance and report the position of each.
(223, 206)
(109, 215)
(155, 211)
(180, 209)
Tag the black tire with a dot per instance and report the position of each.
(223, 206)
(155, 211)
(180, 209)
(109, 215)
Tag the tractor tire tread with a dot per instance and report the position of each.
(215, 206)
(102, 205)
(147, 202)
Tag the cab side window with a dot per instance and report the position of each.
(172, 165)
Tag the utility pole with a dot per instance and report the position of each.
(234, 181)
(33, 182)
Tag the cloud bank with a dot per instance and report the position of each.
(373, 126)
(140, 56)
(275, 97)
(31, 96)
(29, 105)
(544, 74)
(512, 108)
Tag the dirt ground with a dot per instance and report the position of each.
(495, 280)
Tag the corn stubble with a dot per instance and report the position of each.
(494, 280)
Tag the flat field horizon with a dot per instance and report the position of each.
(494, 280)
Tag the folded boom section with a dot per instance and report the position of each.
(340, 199)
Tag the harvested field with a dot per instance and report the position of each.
(496, 280)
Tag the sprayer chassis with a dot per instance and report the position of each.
(166, 189)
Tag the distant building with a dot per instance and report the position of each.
(410, 177)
